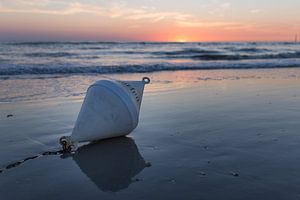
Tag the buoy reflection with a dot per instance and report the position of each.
(111, 164)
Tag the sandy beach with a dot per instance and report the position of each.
(207, 134)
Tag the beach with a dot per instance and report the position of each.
(202, 134)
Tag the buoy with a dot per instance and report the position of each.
(110, 109)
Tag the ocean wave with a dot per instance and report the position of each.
(249, 49)
(145, 68)
(94, 48)
(226, 56)
(57, 43)
(195, 54)
(43, 43)
(89, 43)
(48, 54)
(105, 57)
(186, 52)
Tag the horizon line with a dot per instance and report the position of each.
(144, 41)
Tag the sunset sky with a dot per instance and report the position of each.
(149, 20)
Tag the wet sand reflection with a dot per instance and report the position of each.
(111, 164)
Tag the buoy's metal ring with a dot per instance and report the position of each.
(66, 143)
(146, 80)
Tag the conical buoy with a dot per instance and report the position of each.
(110, 109)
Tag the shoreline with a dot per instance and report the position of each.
(28, 88)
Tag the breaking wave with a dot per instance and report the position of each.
(141, 57)
(251, 54)
(53, 54)
(143, 68)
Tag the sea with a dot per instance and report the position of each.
(48, 60)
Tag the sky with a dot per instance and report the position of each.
(149, 20)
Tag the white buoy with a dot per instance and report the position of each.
(110, 109)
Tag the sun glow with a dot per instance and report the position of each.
(181, 40)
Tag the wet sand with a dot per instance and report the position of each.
(202, 135)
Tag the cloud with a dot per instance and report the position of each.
(216, 7)
(205, 24)
(46, 7)
(255, 11)
(115, 10)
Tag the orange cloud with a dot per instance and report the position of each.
(118, 21)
